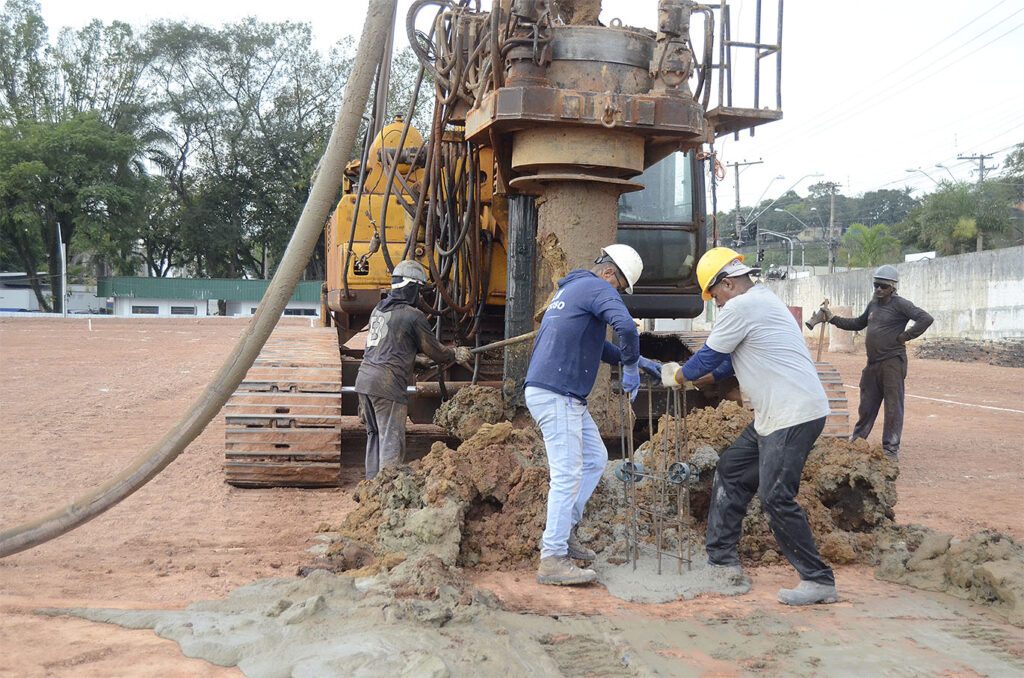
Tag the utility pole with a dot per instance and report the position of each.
(737, 225)
(831, 186)
(62, 253)
(981, 157)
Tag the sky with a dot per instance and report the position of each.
(870, 89)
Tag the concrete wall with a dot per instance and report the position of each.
(976, 296)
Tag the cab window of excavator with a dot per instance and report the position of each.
(660, 222)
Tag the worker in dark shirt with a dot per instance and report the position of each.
(886, 319)
(398, 331)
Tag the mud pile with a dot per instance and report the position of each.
(987, 568)
(482, 505)
(471, 408)
(847, 489)
(1003, 353)
(847, 492)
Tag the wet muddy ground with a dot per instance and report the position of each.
(79, 405)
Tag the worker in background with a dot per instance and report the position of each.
(885, 318)
(567, 353)
(777, 376)
(397, 332)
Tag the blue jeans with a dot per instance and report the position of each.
(576, 460)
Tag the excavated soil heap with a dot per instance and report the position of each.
(471, 408)
(987, 568)
(1002, 352)
(482, 505)
(847, 489)
(847, 492)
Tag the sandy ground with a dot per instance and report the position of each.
(78, 405)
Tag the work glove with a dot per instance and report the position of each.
(631, 380)
(827, 314)
(462, 355)
(668, 374)
(652, 367)
(668, 377)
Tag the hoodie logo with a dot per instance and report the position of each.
(555, 304)
(378, 328)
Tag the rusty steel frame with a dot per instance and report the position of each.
(663, 511)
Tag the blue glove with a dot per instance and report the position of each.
(631, 380)
(653, 367)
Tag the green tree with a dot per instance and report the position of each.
(886, 206)
(72, 110)
(76, 175)
(24, 68)
(245, 112)
(866, 246)
(1012, 179)
(957, 213)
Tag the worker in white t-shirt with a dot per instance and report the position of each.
(775, 371)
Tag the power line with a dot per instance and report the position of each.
(865, 103)
(939, 67)
(859, 95)
(914, 182)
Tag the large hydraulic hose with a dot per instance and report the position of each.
(379, 16)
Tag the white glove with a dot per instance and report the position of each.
(668, 374)
(462, 354)
(668, 377)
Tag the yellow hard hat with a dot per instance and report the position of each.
(712, 263)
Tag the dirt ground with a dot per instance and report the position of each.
(79, 404)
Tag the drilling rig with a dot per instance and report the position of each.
(550, 136)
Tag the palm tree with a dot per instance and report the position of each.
(870, 245)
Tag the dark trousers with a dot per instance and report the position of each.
(385, 432)
(771, 466)
(882, 381)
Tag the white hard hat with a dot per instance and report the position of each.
(410, 272)
(628, 261)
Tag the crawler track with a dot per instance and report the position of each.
(283, 424)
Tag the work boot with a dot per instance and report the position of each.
(809, 593)
(578, 550)
(892, 454)
(560, 571)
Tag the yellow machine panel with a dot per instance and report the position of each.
(355, 236)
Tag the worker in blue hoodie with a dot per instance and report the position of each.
(567, 353)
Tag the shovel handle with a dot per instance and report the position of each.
(821, 334)
(504, 342)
